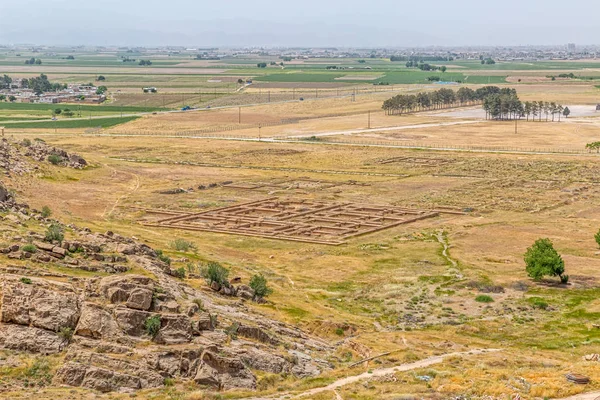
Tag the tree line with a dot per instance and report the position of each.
(505, 105)
(442, 98)
(33, 61)
(425, 66)
(39, 84)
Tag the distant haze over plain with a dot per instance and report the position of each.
(349, 23)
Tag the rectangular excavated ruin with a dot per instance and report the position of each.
(297, 220)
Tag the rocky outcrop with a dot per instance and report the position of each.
(112, 349)
(32, 340)
(131, 322)
(42, 304)
(96, 322)
(174, 329)
(266, 361)
(133, 290)
(224, 372)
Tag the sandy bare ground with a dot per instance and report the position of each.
(380, 372)
(479, 113)
(390, 128)
(583, 396)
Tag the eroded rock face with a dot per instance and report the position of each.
(224, 372)
(42, 304)
(130, 321)
(96, 322)
(265, 361)
(136, 291)
(174, 329)
(31, 340)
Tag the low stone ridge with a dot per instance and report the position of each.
(16, 156)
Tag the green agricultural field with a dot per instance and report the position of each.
(83, 108)
(302, 77)
(483, 79)
(70, 124)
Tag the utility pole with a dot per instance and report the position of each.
(369, 119)
(259, 132)
(239, 115)
(516, 119)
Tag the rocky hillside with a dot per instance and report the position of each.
(19, 157)
(137, 325)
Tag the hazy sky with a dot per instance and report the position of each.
(299, 23)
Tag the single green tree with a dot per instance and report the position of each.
(566, 112)
(541, 259)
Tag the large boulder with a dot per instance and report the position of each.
(96, 322)
(266, 361)
(44, 304)
(130, 321)
(224, 372)
(134, 290)
(174, 329)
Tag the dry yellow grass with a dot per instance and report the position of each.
(396, 290)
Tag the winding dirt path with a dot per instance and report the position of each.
(379, 372)
(133, 189)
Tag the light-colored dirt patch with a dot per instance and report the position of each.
(358, 77)
(532, 79)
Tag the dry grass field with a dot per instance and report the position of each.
(445, 285)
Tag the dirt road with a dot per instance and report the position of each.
(376, 373)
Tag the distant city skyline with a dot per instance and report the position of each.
(351, 23)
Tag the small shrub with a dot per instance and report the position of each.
(484, 298)
(564, 279)
(538, 302)
(182, 245)
(232, 330)
(180, 272)
(597, 237)
(169, 382)
(29, 248)
(26, 281)
(213, 320)
(66, 334)
(163, 258)
(26, 142)
(40, 369)
(199, 303)
(152, 325)
(54, 233)
(54, 159)
(339, 331)
(46, 212)
(37, 139)
(215, 272)
(259, 284)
